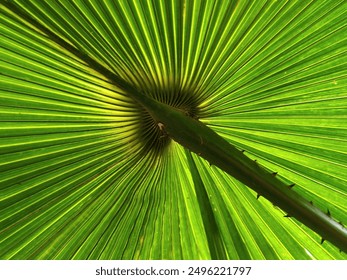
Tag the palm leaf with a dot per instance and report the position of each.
(84, 172)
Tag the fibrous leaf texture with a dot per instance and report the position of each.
(91, 168)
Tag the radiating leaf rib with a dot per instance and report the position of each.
(215, 242)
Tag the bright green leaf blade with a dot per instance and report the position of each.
(271, 77)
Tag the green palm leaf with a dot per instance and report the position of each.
(86, 173)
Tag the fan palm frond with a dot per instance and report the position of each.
(87, 172)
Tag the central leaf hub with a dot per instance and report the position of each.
(151, 131)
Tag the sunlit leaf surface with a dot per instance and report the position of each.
(82, 176)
